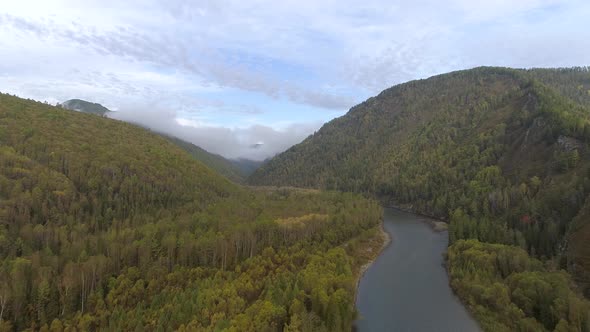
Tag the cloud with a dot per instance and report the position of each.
(256, 142)
(166, 51)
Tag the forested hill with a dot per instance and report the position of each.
(248, 166)
(501, 153)
(107, 226)
(216, 162)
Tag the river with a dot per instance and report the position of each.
(407, 287)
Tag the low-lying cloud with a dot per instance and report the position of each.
(256, 142)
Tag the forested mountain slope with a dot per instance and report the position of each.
(501, 153)
(107, 226)
(221, 165)
(216, 162)
(248, 166)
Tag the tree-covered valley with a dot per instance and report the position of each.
(502, 155)
(107, 226)
(365, 166)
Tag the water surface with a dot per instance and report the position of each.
(407, 287)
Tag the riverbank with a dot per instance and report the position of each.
(368, 253)
(375, 251)
(408, 283)
(437, 224)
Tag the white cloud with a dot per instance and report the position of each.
(256, 142)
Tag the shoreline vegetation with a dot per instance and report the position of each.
(418, 221)
(437, 224)
(511, 272)
(374, 250)
(367, 254)
(496, 281)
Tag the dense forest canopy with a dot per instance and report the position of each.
(509, 291)
(233, 170)
(228, 168)
(105, 225)
(500, 153)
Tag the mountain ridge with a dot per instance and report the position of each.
(228, 168)
(507, 147)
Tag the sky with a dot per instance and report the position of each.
(248, 79)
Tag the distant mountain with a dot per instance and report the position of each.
(501, 153)
(85, 107)
(247, 166)
(228, 168)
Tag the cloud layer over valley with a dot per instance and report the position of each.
(256, 142)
